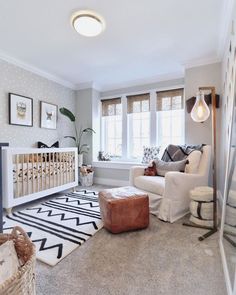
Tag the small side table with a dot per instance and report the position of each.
(201, 206)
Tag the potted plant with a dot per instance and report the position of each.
(83, 148)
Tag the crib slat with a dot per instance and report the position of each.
(32, 173)
(69, 167)
(37, 180)
(67, 160)
(49, 170)
(53, 169)
(23, 181)
(64, 168)
(45, 171)
(17, 176)
(27, 173)
(41, 171)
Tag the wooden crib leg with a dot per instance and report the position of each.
(74, 189)
(8, 210)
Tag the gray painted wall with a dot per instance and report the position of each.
(118, 174)
(19, 81)
(146, 87)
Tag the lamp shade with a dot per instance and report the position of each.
(200, 111)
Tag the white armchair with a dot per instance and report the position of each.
(169, 195)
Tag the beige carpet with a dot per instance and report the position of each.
(163, 259)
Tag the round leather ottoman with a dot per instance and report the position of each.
(124, 209)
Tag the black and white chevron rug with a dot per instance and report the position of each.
(59, 226)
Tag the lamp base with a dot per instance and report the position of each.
(208, 234)
(211, 231)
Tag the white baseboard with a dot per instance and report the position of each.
(110, 181)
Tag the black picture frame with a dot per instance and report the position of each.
(42, 123)
(13, 121)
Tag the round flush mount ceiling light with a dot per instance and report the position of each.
(88, 23)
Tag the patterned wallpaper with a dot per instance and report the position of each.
(19, 81)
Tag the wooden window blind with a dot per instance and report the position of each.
(111, 107)
(170, 100)
(138, 103)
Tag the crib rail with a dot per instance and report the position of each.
(30, 173)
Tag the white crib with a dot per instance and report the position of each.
(29, 174)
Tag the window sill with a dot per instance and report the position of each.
(116, 164)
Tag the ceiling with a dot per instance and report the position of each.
(143, 39)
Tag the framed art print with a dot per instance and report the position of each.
(48, 115)
(20, 110)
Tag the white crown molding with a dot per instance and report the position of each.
(88, 85)
(37, 71)
(225, 24)
(201, 62)
(145, 81)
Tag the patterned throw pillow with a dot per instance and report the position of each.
(150, 153)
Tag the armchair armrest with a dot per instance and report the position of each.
(135, 171)
(178, 185)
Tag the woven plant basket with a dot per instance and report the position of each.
(22, 282)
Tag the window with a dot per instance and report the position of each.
(112, 127)
(138, 109)
(170, 117)
(130, 122)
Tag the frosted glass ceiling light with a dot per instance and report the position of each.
(88, 23)
(200, 111)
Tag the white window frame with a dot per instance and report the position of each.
(130, 134)
(153, 121)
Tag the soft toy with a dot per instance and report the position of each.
(151, 170)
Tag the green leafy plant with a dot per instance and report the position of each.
(82, 148)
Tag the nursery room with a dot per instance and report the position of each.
(117, 147)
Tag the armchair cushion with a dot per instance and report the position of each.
(152, 184)
(193, 162)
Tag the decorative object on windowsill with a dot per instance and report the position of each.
(20, 110)
(200, 113)
(23, 281)
(102, 156)
(150, 153)
(48, 115)
(86, 175)
(82, 148)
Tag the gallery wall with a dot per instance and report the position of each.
(17, 80)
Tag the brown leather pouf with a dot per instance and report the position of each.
(124, 209)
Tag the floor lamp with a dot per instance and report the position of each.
(200, 113)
